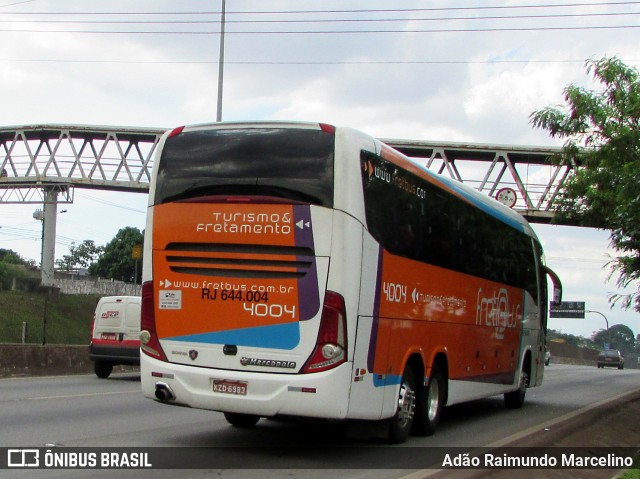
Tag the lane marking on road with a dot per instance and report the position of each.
(68, 376)
(84, 395)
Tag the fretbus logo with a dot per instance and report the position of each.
(495, 310)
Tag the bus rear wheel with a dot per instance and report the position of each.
(400, 424)
(430, 402)
(515, 399)
(241, 420)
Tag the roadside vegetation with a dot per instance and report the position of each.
(630, 474)
(618, 336)
(633, 473)
(601, 132)
(115, 260)
(36, 315)
(48, 319)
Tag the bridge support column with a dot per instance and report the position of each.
(49, 236)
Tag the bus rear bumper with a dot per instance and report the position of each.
(320, 395)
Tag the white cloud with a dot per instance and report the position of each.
(509, 91)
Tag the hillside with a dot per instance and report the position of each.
(68, 317)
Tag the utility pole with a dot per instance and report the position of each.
(47, 216)
(221, 63)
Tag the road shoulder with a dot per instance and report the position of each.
(608, 424)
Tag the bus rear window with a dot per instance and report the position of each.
(290, 163)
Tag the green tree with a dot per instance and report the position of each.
(619, 336)
(11, 265)
(81, 256)
(116, 262)
(4, 274)
(11, 257)
(601, 129)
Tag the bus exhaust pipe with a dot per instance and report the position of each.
(164, 392)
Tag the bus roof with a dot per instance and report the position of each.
(488, 205)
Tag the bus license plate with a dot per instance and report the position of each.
(230, 387)
(109, 336)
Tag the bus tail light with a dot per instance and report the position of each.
(149, 342)
(331, 345)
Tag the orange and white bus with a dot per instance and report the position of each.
(302, 269)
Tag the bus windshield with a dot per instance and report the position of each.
(295, 164)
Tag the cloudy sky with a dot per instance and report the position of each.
(437, 70)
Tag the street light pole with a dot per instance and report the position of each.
(221, 63)
(605, 320)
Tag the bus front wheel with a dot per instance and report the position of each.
(400, 424)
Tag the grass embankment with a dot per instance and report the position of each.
(630, 474)
(68, 317)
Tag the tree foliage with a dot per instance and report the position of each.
(11, 264)
(11, 257)
(115, 261)
(619, 336)
(601, 129)
(80, 256)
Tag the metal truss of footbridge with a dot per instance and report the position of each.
(43, 164)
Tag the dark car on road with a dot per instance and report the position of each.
(610, 357)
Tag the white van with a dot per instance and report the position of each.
(115, 333)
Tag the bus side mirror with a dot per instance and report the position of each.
(557, 285)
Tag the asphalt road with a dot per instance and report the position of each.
(84, 411)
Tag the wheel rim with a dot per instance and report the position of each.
(433, 400)
(524, 379)
(406, 404)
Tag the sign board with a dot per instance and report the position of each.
(567, 309)
(136, 252)
(507, 196)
